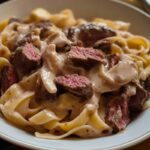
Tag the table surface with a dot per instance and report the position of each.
(142, 146)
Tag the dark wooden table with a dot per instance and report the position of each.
(142, 146)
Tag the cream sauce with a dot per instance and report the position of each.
(54, 60)
(110, 80)
(48, 79)
(57, 37)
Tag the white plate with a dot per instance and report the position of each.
(139, 129)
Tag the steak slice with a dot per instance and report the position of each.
(75, 84)
(85, 56)
(136, 101)
(89, 34)
(26, 39)
(26, 58)
(117, 113)
(45, 26)
(104, 45)
(72, 33)
(113, 60)
(8, 77)
(146, 85)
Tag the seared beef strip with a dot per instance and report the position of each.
(113, 60)
(44, 25)
(86, 57)
(26, 39)
(32, 36)
(72, 33)
(136, 101)
(89, 34)
(124, 105)
(26, 58)
(104, 45)
(117, 113)
(146, 85)
(8, 77)
(75, 84)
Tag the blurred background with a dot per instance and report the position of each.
(144, 4)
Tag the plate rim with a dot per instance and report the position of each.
(132, 7)
(133, 142)
(33, 146)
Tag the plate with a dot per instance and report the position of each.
(139, 129)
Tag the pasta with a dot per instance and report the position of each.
(62, 76)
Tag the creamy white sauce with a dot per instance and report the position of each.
(120, 74)
(57, 37)
(54, 60)
(130, 90)
(23, 29)
(48, 79)
(93, 103)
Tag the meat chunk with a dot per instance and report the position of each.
(85, 56)
(125, 105)
(26, 58)
(104, 45)
(26, 39)
(8, 77)
(89, 34)
(136, 101)
(72, 33)
(146, 85)
(75, 84)
(113, 60)
(44, 25)
(117, 113)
